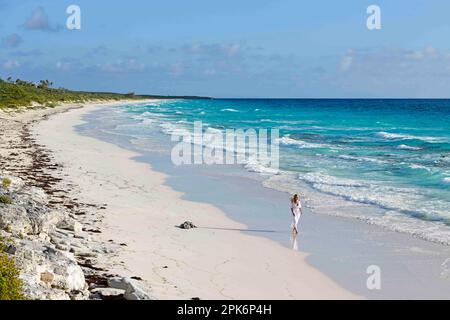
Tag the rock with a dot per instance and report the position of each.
(44, 267)
(62, 245)
(71, 276)
(133, 290)
(108, 292)
(83, 236)
(16, 183)
(47, 277)
(187, 225)
(118, 283)
(23, 220)
(35, 194)
(14, 219)
(11, 249)
(80, 295)
(136, 293)
(70, 224)
(45, 223)
(77, 228)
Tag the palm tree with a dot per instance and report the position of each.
(44, 84)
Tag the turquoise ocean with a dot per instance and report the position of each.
(386, 162)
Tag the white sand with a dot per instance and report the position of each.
(142, 212)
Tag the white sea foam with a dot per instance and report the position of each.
(144, 115)
(230, 110)
(398, 136)
(173, 129)
(148, 122)
(288, 121)
(398, 222)
(407, 200)
(287, 141)
(406, 147)
(254, 165)
(420, 167)
(214, 130)
(366, 159)
(320, 178)
(446, 180)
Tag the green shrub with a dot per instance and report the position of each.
(5, 199)
(3, 244)
(11, 286)
(6, 183)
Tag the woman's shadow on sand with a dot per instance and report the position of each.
(238, 229)
(293, 238)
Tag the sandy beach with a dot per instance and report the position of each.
(142, 214)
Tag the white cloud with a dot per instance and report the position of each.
(394, 72)
(11, 64)
(123, 65)
(228, 49)
(427, 52)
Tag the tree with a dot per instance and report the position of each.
(44, 84)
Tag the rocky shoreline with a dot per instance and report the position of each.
(51, 233)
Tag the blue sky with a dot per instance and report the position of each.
(264, 48)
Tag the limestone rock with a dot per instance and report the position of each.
(47, 277)
(23, 220)
(107, 293)
(44, 268)
(14, 219)
(68, 223)
(133, 290)
(187, 225)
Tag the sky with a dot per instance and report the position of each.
(246, 48)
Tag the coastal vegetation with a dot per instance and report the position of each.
(4, 199)
(21, 93)
(6, 183)
(11, 286)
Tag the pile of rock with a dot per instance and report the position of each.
(53, 252)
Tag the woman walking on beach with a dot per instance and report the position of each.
(297, 211)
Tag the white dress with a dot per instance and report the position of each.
(296, 209)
